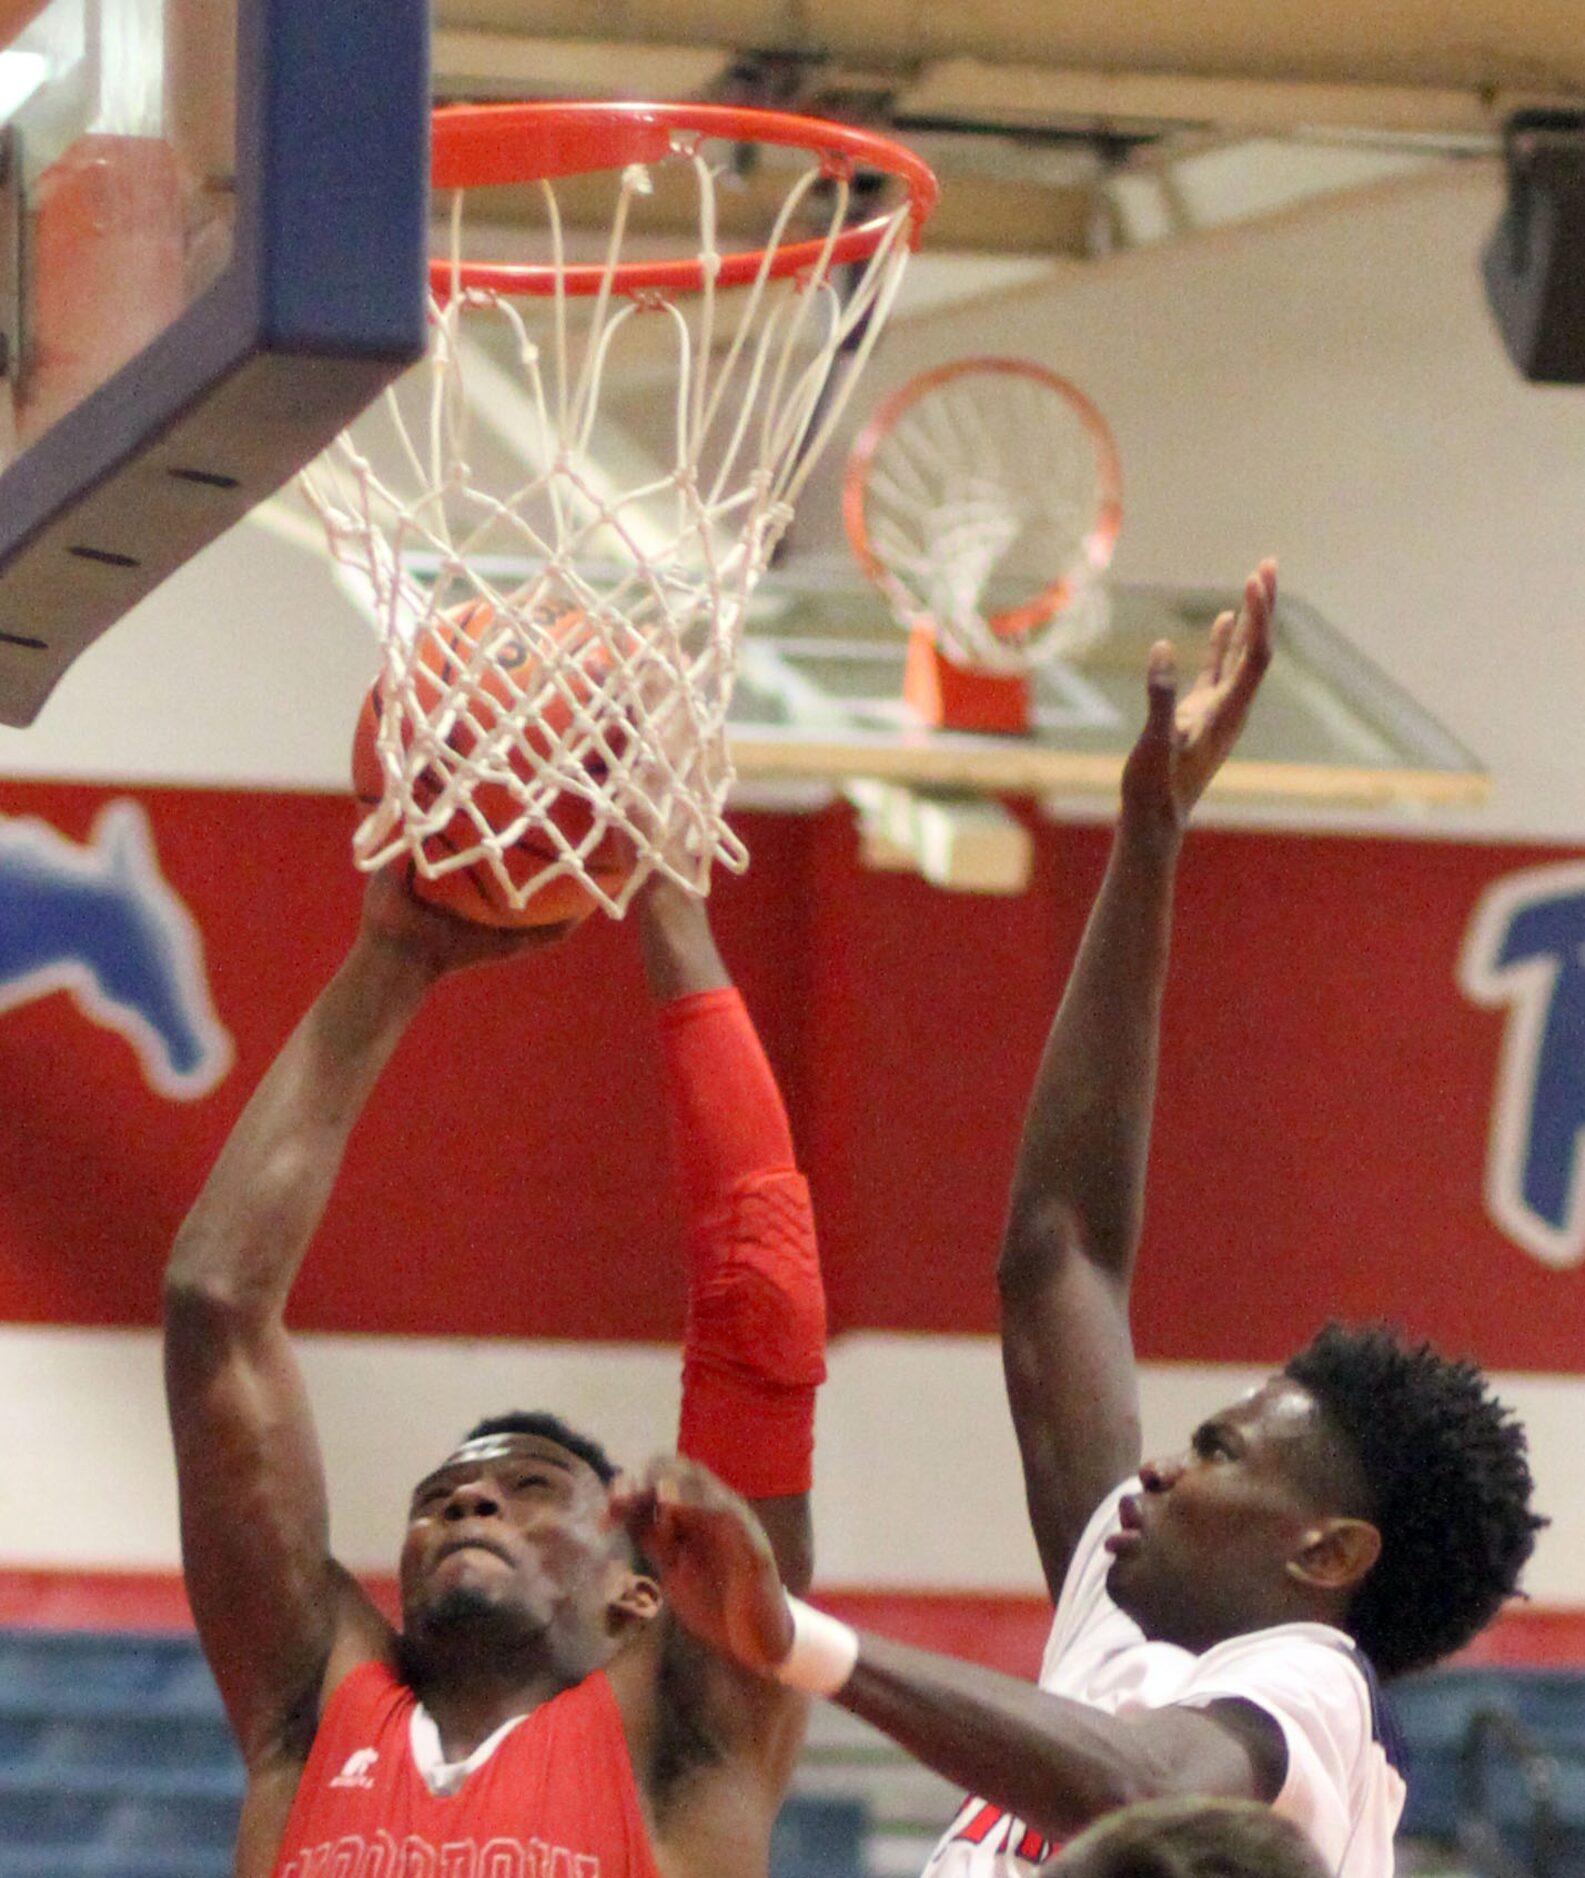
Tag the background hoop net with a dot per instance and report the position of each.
(984, 499)
(602, 661)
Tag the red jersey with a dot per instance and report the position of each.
(549, 1795)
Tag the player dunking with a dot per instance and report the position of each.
(1221, 1614)
(538, 1713)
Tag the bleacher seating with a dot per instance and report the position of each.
(820, 1838)
(115, 1762)
(1543, 1758)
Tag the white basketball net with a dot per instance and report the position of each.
(652, 570)
(987, 489)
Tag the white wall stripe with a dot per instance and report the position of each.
(918, 1485)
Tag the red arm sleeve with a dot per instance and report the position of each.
(755, 1344)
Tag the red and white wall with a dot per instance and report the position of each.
(503, 1234)
(1327, 387)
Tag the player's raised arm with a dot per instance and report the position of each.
(1077, 1200)
(755, 1342)
(274, 1612)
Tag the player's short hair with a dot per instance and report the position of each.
(549, 1428)
(1448, 1487)
(1193, 1838)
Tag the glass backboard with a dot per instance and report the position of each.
(819, 703)
(212, 249)
(820, 695)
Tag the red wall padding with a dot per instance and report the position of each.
(1321, 1124)
(1006, 1630)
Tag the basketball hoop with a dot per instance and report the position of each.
(656, 561)
(984, 498)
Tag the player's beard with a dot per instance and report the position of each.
(464, 1626)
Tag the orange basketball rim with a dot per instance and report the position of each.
(932, 439)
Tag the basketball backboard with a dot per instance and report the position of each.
(819, 709)
(818, 714)
(212, 242)
(819, 696)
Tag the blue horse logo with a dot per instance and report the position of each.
(100, 922)
(1525, 949)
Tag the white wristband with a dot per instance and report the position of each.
(824, 1651)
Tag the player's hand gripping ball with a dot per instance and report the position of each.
(477, 891)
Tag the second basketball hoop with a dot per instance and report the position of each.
(984, 499)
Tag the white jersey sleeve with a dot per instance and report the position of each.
(1343, 1787)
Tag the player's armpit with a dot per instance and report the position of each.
(1262, 1739)
(715, 1746)
(698, 1689)
(744, 1716)
(274, 1611)
(1230, 1750)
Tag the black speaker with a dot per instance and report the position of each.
(1534, 263)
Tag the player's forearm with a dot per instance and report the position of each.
(1056, 1764)
(1086, 1132)
(754, 1348)
(243, 1241)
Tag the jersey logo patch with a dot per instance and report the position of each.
(359, 1770)
(99, 921)
(1525, 949)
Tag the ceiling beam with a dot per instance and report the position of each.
(1476, 45)
(1031, 96)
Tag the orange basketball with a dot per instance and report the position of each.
(476, 891)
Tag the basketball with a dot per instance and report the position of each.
(478, 891)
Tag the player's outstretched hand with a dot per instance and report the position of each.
(711, 1555)
(1186, 740)
(394, 915)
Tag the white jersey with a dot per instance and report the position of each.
(1343, 1786)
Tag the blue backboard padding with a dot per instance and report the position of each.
(323, 303)
(340, 177)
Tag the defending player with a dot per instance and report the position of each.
(538, 1713)
(1218, 1612)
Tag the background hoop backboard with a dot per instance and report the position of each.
(818, 713)
(211, 257)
